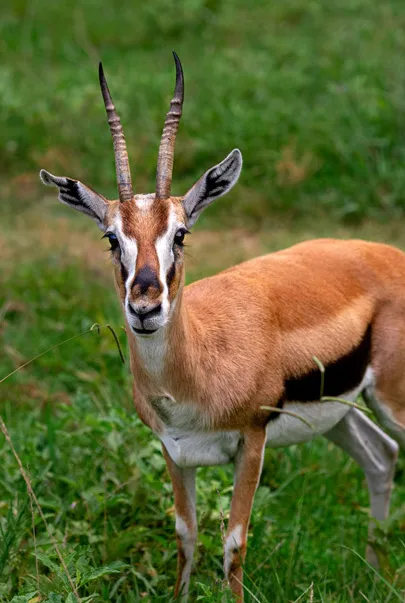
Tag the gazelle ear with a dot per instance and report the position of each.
(213, 184)
(78, 196)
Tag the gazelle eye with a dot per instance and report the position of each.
(112, 239)
(179, 237)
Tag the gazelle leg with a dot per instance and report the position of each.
(376, 453)
(393, 424)
(183, 481)
(248, 469)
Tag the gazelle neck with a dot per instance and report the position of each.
(154, 358)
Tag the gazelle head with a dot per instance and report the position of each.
(146, 232)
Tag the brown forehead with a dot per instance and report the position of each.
(146, 219)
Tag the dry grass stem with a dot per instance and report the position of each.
(34, 499)
(291, 414)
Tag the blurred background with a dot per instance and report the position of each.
(313, 93)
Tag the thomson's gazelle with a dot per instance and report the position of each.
(208, 357)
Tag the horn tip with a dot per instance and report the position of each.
(101, 72)
(179, 89)
(176, 59)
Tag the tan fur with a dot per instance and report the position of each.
(231, 344)
(220, 349)
(252, 326)
(235, 337)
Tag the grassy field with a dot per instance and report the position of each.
(99, 474)
(311, 91)
(313, 94)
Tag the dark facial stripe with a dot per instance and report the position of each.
(341, 376)
(124, 273)
(171, 273)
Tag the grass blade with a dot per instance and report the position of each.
(291, 414)
(391, 588)
(94, 327)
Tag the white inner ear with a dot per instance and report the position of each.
(164, 250)
(216, 182)
(51, 180)
(79, 196)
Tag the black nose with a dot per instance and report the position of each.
(146, 278)
(143, 313)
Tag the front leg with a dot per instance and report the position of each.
(183, 481)
(248, 468)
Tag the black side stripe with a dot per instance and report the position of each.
(341, 376)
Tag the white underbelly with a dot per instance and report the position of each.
(190, 444)
(286, 430)
(199, 448)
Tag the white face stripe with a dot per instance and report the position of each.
(165, 254)
(129, 251)
(151, 347)
(163, 245)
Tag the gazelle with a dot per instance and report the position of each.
(208, 357)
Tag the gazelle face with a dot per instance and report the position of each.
(147, 251)
(146, 232)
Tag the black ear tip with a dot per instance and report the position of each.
(100, 70)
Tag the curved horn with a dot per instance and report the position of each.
(166, 149)
(120, 148)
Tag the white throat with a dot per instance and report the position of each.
(152, 350)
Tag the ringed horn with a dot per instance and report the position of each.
(166, 149)
(120, 148)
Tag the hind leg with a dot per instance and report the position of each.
(376, 453)
(393, 421)
(386, 395)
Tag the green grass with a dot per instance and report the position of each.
(313, 94)
(99, 474)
